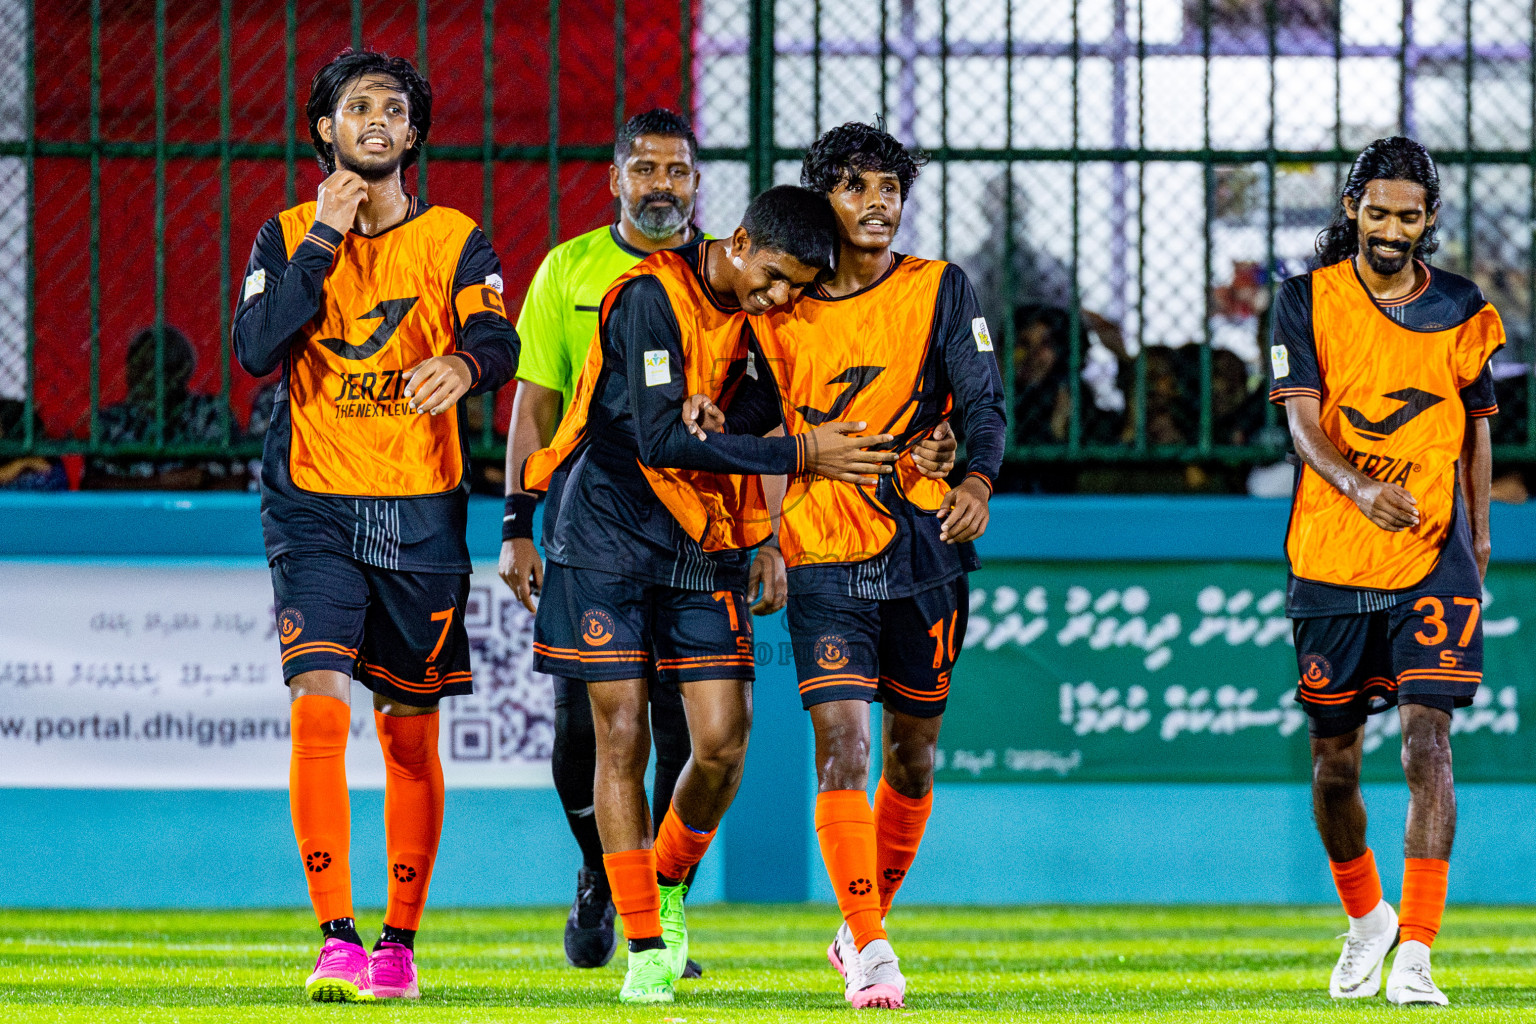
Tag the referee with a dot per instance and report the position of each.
(654, 177)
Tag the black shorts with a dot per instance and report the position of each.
(1424, 651)
(600, 626)
(401, 634)
(899, 652)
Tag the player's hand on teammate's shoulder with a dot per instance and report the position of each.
(833, 451)
(435, 384)
(521, 569)
(964, 511)
(1389, 506)
(935, 454)
(702, 417)
(338, 198)
(767, 573)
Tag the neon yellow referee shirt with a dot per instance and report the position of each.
(559, 314)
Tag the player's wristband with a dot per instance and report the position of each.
(517, 517)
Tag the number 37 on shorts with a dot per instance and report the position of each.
(1439, 626)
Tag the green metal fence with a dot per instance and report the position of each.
(1126, 181)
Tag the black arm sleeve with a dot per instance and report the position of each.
(642, 329)
(1478, 397)
(487, 339)
(280, 295)
(1292, 349)
(754, 409)
(974, 377)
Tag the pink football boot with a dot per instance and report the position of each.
(341, 974)
(392, 972)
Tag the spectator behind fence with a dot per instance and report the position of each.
(26, 472)
(1237, 404)
(1042, 377)
(190, 419)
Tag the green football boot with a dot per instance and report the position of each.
(674, 927)
(649, 978)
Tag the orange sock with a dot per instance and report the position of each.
(632, 880)
(1424, 885)
(899, 824)
(317, 796)
(678, 847)
(845, 828)
(413, 811)
(1358, 884)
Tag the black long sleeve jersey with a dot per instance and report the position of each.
(347, 466)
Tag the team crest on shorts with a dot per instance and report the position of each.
(1316, 673)
(832, 652)
(289, 625)
(596, 627)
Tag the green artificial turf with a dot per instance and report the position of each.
(1132, 964)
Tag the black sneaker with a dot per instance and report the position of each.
(589, 936)
(693, 970)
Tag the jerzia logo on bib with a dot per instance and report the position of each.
(390, 312)
(364, 395)
(1414, 402)
(1394, 470)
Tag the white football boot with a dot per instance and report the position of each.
(1409, 983)
(843, 955)
(880, 982)
(1357, 975)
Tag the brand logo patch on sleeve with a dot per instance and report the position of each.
(980, 333)
(494, 281)
(255, 283)
(1280, 361)
(658, 368)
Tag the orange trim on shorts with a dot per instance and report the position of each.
(1375, 682)
(819, 682)
(906, 691)
(1443, 675)
(706, 660)
(388, 676)
(318, 647)
(571, 654)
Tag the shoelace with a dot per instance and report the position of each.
(390, 965)
(1354, 949)
(1421, 982)
(590, 902)
(338, 957)
(652, 971)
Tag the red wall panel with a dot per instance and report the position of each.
(520, 203)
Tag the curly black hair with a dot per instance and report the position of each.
(853, 148)
(656, 121)
(331, 81)
(1394, 159)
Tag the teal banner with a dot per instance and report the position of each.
(1106, 672)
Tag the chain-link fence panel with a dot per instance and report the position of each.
(1125, 181)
